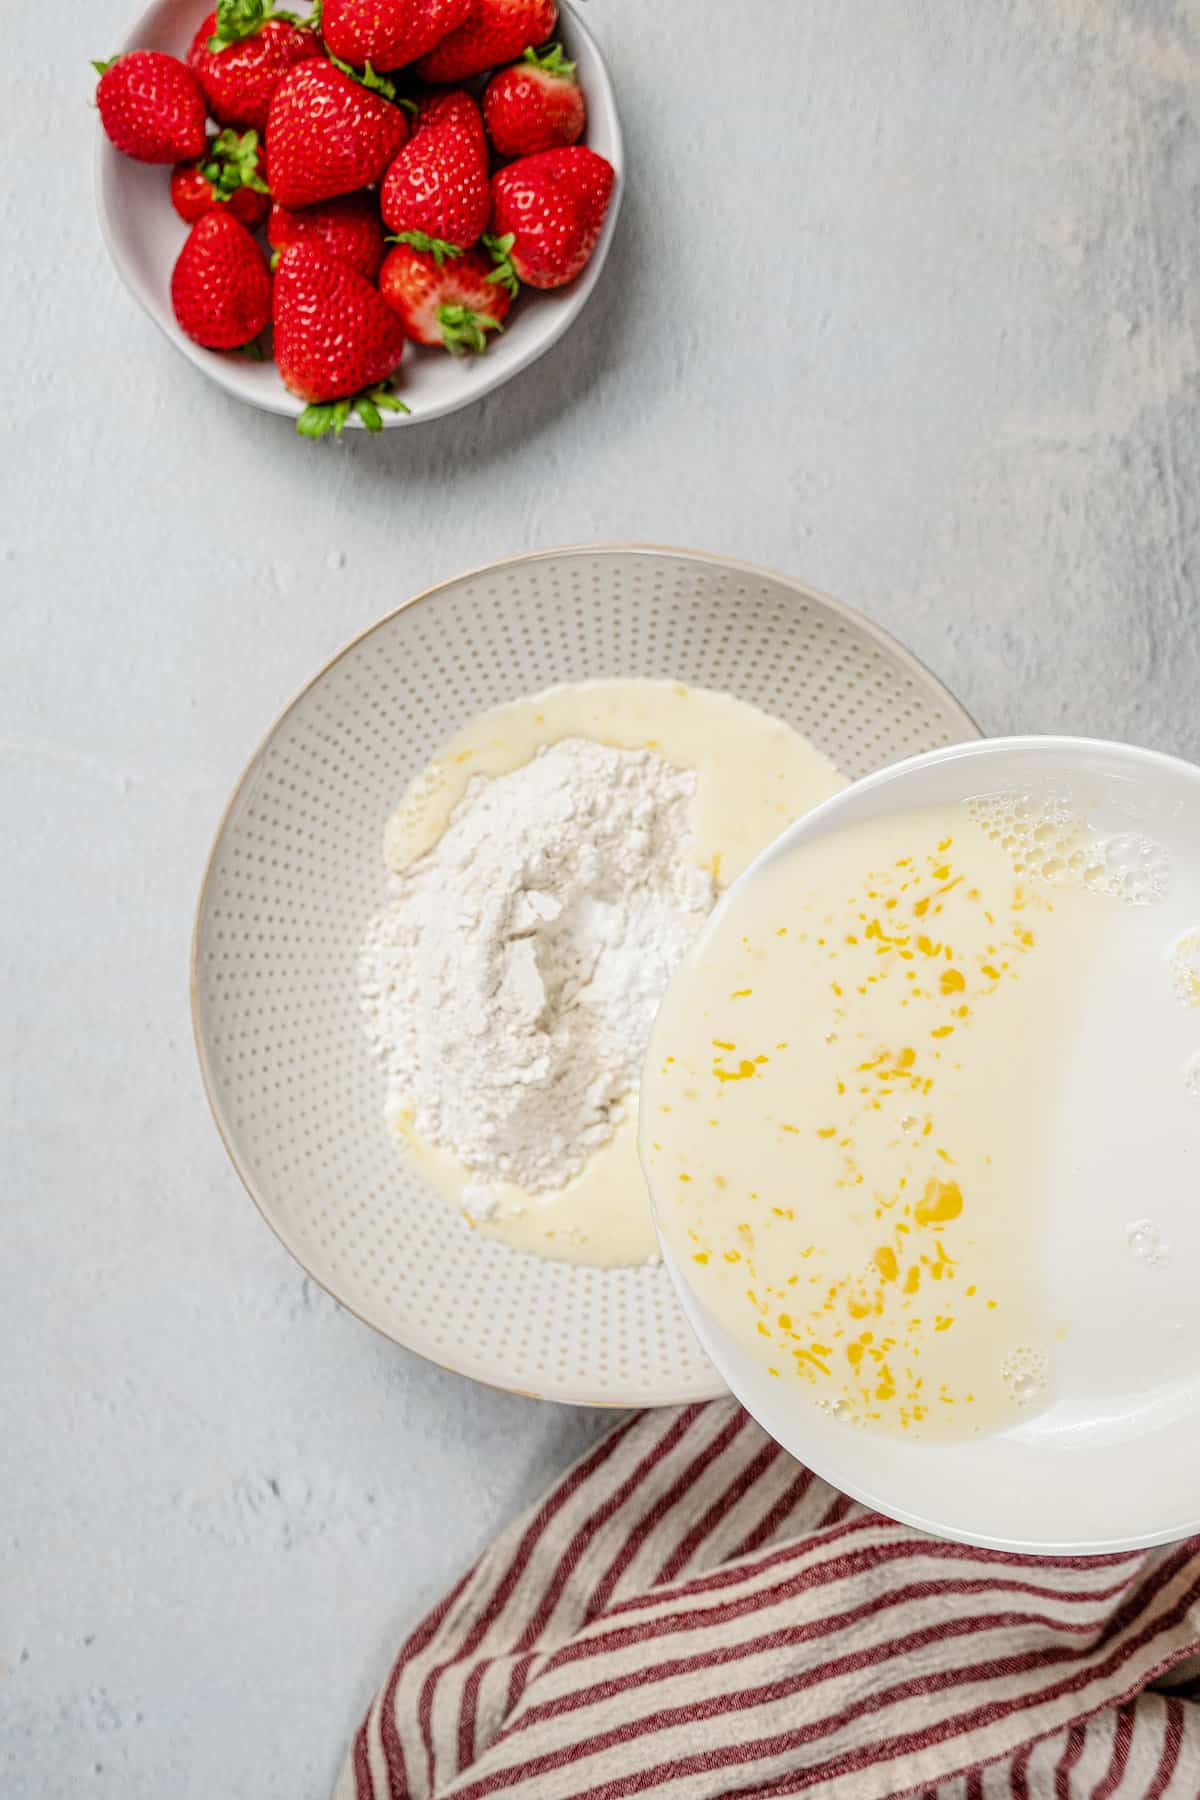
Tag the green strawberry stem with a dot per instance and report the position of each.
(254, 351)
(102, 68)
(332, 416)
(552, 61)
(464, 330)
(238, 19)
(231, 162)
(371, 79)
(500, 251)
(438, 248)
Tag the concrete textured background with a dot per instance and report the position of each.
(903, 302)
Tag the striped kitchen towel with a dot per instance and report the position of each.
(691, 1614)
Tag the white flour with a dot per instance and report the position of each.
(512, 981)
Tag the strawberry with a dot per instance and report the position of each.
(438, 185)
(452, 301)
(151, 107)
(336, 341)
(495, 32)
(328, 134)
(242, 52)
(449, 103)
(230, 173)
(537, 104)
(389, 33)
(220, 287)
(347, 229)
(547, 211)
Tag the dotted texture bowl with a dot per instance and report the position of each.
(297, 871)
(144, 236)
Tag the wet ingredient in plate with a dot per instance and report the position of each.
(852, 1095)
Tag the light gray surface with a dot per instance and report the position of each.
(903, 302)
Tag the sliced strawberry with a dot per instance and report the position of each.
(451, 301)
(220, 287)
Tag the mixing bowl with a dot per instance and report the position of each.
(297, 871)
(1113, 1463)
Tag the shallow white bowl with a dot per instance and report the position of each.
(1114, 1463)
(297, 871)
(144, 236)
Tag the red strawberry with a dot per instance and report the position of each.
(328, 134)
(537, 104)
(453, 104)
(230, 173)
(220, 287)
(241, 53)
(336, 341)
(495, 32)
(347, 229)
(547, 211)
(151, 107)
(438, 185)
(452, 301)
(389, 33)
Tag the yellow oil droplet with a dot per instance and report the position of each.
(743, 1072)
(941, 1202)
(885, 1262)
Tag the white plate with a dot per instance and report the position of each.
(144, 235)
(297, 871)
(1114, 1463)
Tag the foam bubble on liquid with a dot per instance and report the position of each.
(1139, 868)
(1191, 1076)
(1046, 838)
(1147, 1243)
(1025, 1375)
(1184, 965)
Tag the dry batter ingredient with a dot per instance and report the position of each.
(513, 979)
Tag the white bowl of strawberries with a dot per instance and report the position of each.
(366, 218)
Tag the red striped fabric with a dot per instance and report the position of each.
(689, 1615)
